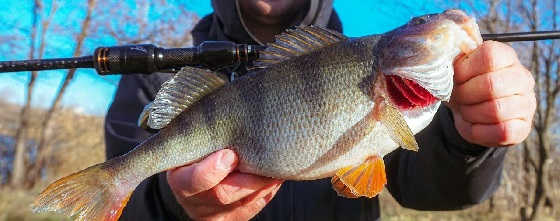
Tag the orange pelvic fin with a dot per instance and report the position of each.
(366, 179)
(88, 195)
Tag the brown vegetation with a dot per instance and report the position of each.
(18, 175)
(171, 29)
(43, 150)
(77, 142)
(530, 176)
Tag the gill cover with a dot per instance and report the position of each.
(423, 51)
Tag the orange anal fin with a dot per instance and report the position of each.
(366, 179)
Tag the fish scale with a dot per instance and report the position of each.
(313, 110)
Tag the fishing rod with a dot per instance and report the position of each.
(147, 58)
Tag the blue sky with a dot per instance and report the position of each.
(92, 94)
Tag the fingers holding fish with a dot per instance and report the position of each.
(210, 190)
(242, 209)
(489, 57)
(505, 133)
(253, 204)
(501, 122)
(204, 175)
(493, 102)
(498, 110)
(233, 188)
(509, 81)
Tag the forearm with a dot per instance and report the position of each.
(447, 173)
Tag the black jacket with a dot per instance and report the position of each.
(447, 173)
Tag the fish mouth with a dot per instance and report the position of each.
(472, 30)
(424, 51)
(469, 25)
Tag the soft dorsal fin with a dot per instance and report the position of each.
(295, 42)
(177, 94)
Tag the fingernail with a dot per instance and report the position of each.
(226, 160)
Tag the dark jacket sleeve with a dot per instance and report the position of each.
(447, 173)
(152, 199)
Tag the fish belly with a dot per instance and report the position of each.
(305, 123)
(315, 160)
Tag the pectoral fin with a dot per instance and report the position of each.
(398, 129)
(366, 179)
(178, 94)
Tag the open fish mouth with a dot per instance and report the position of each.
(423, 51)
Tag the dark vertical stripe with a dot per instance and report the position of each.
(252, 95)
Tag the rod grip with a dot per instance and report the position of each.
(176, 58)
(135, 59)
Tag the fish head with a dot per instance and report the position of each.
(417, 58)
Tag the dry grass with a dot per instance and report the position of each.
(77, 142)
(15, 205)
(508, 199)
(392, 211)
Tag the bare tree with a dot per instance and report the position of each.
(18, 173)
(531, 173)
(170, 29)
(545, 58)
(44, 150)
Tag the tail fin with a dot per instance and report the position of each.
(87, 195)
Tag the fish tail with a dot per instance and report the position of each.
(89, 195)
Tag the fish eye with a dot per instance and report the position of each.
(420, 20)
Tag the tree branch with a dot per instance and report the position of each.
(43, 149)
(18, 172)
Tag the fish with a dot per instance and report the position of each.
(318, 104)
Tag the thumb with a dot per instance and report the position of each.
(195, 178)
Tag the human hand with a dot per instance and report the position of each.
(210, 190)
(493, 101)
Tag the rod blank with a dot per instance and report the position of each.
(523, 36)
(46, 64)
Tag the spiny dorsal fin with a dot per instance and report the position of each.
(177, 94)
(295, 42)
